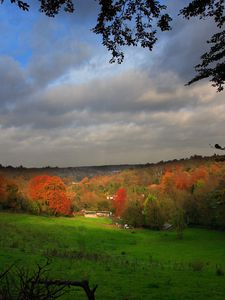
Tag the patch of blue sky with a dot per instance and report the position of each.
(14, 25)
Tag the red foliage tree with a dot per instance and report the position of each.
(119, 201)
(50, 191)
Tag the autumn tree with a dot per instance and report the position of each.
(50, 193)
(3, 186)
(11, 196)
(138, 23)
(200, 173)
(119, 201)
(181, 179)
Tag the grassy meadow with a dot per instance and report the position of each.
(126, 264)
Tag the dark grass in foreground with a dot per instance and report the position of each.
(126, 264)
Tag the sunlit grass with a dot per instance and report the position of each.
(126, 264)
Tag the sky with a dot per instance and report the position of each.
(63, 104)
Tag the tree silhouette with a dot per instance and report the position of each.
(49, 7)
(213, 63)
(137, 22)
(36, 285)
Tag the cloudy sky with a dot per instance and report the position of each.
(62, 103)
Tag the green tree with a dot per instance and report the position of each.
(215, 203)
(154, 217)
(133, 214)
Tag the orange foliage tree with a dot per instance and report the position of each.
(167, 181)
(119, 201)
(182, 180)
(50, 191)
(199, 173)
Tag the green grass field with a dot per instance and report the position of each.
(126, 264)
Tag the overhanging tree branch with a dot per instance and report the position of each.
(137, 22)
(212, 62)
(130, 23)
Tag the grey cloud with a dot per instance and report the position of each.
(194, 129)
(77, 137)
(55, 50)
(117, 98)
(127, 92)
(180, 50)
(53, 65)
(14, 83)
(140, 138)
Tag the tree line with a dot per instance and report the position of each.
(176, 193)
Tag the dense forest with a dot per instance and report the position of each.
(180, 192)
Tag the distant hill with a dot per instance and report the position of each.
(78, 173)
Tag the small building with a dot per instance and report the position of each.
(96, 214)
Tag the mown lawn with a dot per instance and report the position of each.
(126, 264)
